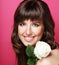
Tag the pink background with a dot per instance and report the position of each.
(7, 8)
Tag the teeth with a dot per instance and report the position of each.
(28, 39)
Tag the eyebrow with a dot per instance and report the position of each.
(37, 21)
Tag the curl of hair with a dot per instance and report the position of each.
(34, 10)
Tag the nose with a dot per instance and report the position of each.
(28, 30)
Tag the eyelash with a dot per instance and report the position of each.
(22, 24)
(35, 24)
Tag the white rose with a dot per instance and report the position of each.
(42, 49)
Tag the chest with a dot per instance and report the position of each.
(51, 60)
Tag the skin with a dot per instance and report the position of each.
(30, 31)
(53, 59)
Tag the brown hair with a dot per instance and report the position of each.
(32, 9)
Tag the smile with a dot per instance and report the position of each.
(28, 39)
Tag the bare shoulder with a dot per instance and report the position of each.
(55, 53)
(53, 59)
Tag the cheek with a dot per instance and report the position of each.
(39, 31)
(20, 30)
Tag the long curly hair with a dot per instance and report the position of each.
(34, 10)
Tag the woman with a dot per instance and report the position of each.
(32, 23)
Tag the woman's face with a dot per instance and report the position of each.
(30, 32)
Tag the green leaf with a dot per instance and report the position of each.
(29, 51)
(30, 62)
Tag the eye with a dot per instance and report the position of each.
(36, 24)
(22, 24)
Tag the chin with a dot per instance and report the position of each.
(31, 44)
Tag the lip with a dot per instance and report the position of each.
(28, 39)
